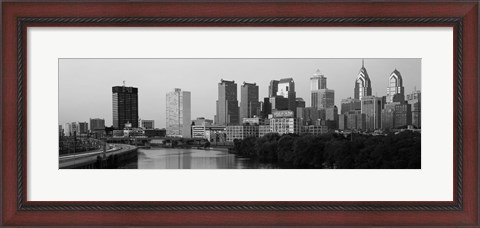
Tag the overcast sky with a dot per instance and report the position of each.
(85, 85)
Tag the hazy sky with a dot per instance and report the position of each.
(85, 85)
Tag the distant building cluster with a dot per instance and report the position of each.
(280, 112)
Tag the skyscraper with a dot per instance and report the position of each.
(321, 96)
(414, 99)
(97, 124)
(227, 104)
(249, 105)
(318, 81)
(286, 89)
(178, 119)
(273, 88)
(363, 85)
(125, 106)
(372, 108)
(395, 90)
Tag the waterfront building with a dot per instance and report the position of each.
(350, 104)
(395, 90)
(315, 129)
(264, 129)
(363, 85)
(155, 132)
(322, 97)
(216, 133)
(125, 106)
(97, 124)
(241, 132)
(147, 124)
(178, 119)
(284, 122)
(414, 99)
(286, 89)
(372, 108)
(253, 121)
(227, 104)
(249, 105)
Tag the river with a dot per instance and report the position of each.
(180, 158)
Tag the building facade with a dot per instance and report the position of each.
(286, 89)
(240, 132)
(363, 85)
(414, 99)
(227, 104)
(97, 124)
(249, 104)
(147, 124)
(125, 106)
(178, 119)
(284, 122)
(395, 90)
(350, 104)
(372, 108)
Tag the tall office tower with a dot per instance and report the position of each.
(178, 114)
(318, 81)
(97, 124)
(414, 99)
(350, 104)
(363, 85)
(395, 90)
(75, 128)
(266, 107)
(372, 108)
(60, 130)
(68, 129)
(227, 104)
(125, 106)
(286, 89)
(83, 127)
(249, 105)
(273, 88)
(321, 96)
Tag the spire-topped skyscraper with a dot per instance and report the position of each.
(363, 85)
(395, 90)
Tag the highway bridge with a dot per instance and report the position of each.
(117, 155)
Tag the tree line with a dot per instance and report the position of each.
(355, 151)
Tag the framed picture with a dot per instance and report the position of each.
(260, 113)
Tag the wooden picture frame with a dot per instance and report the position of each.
(462, 16)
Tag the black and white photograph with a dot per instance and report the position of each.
(339, 113)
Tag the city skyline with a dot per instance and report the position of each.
(341, 74)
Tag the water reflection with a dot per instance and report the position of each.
(168, 158)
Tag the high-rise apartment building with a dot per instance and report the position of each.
(249, 104)
(350, 104)
(363, 85)
(82, 127)
(395, 90)
(125, 106)
(227, 104)
(178, 119)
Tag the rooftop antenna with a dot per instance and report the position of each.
(363, 60)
